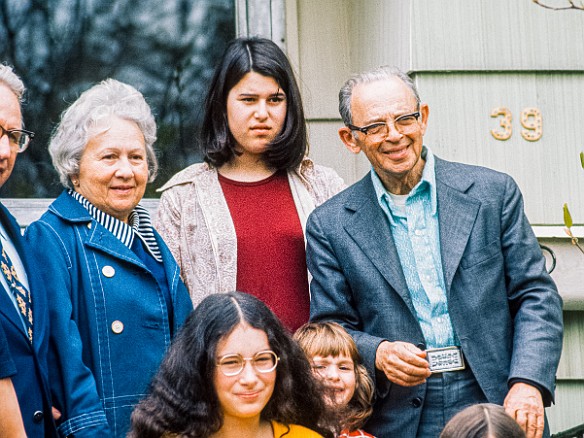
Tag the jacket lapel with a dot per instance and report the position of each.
(69, 209)
(369, 228)
(457, 213)
(105, 241)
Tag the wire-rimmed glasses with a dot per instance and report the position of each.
(405, 124)
(233, 364)
(19, 139)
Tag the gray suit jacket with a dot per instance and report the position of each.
(504, 306)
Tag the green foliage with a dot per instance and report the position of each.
(567, 217)
(166, 49)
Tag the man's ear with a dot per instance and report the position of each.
(348, 138)
(425, 112)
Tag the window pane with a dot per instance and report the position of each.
(166, 49)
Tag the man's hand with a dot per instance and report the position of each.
(403, 363)
(524, 404)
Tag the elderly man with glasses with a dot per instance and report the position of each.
(25, 408)
(433, 268)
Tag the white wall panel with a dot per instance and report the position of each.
(548, 171)
(494, 35)
(568, 411)
(573, 352)
(326, 148)
(568, 275)
(323, 53)
(381, 34)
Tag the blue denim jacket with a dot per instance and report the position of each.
(110, 325)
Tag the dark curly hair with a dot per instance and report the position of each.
(262, 56)
(183, 401)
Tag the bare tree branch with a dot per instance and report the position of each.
(572, 4)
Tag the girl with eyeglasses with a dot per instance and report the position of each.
(232, 371)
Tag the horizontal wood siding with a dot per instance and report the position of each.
(327, 148)
(569, 408)
(548, 171)
(494, 35)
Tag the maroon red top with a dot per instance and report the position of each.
(271, 258)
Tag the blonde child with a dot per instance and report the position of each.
(337, 364)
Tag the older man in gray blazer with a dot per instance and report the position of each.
(434, 269)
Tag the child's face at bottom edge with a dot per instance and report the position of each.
(338, 374)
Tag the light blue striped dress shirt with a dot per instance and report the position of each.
(415, 231)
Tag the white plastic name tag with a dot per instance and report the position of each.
(445, 359)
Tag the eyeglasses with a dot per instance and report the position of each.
(262, 362)
(378, 131)
(18, 138)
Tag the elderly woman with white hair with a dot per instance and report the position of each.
(116, 298)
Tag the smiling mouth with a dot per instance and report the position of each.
(249, 395)
(335, 388)
(396, 151)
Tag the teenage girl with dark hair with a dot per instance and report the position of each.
(237, 220)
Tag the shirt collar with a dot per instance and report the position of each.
(139, 223)
(428, 179)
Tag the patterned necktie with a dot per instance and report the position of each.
(22, 295)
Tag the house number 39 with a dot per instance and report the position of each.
(531, 120)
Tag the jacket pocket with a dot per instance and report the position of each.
(488, 252)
